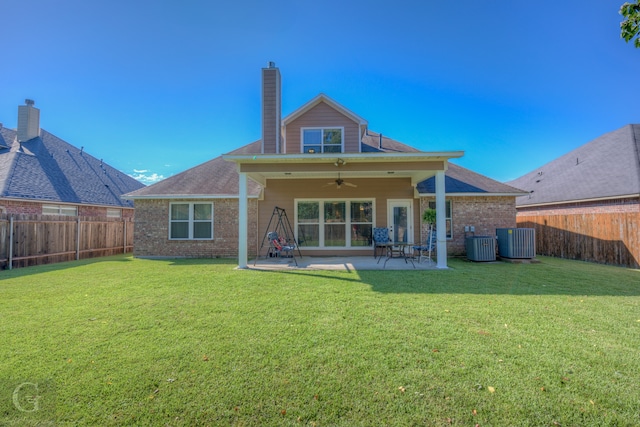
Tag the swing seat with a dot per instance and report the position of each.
(279, 247)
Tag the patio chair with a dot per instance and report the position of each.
(380, 240)
(279, 247)
(425, 250)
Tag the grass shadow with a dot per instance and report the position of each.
(550, 277)
(347, 276)
(198, 261)
(65, 265)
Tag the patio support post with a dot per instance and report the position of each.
(243, 234)
(441, 223)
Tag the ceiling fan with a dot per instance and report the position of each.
(338, 182)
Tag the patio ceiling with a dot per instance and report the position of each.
(416, 166)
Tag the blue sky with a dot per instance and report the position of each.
(161, 86)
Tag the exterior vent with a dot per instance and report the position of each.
(516, 242)
(481, 248)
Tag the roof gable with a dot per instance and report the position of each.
(330, 102)
(607, 167)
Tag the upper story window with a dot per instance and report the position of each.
(59, 210)
(322, 140)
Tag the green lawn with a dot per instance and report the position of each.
(122, 341)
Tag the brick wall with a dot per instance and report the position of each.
(18, 207)
(151, 235)
(97, 211)
(484, 213)
(628, 205)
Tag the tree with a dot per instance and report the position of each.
(630, 27)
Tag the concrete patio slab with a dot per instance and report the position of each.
(350, 263)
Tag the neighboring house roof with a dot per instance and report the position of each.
(48, 169)
(461, 181)
(219, 178)
(607, 167)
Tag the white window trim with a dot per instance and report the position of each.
(322, 128)
(191, 221)
(321, 223)
(447, 218)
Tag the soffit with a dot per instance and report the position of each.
(416, 166)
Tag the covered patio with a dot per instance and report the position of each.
(380, 178)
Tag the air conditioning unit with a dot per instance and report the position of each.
(481, 248)
(516, 242)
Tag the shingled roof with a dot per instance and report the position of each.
(48, 169)
(373, 142)
(462, 181)
(607, 167)
(219, 178)
(215, 178)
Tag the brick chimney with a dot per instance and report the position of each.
(271, 109)
(28, 121)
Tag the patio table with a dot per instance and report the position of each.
(396, 250)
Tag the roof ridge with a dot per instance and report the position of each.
(9, 174)
(635, 138)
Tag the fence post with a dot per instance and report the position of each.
(124, 236)
(11, 242)
(78, 240)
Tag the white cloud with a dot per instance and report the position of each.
(146, 178)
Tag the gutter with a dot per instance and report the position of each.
(354, 157)
(475, 194)
(186, 196)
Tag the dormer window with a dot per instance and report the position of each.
(322, 140)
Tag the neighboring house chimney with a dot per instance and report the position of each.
(28, 121)
(271, 109)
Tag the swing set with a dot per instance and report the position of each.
(279, 240)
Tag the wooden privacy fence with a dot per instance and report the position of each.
(43, 239)
(607, 238)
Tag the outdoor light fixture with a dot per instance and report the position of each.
(340, 162)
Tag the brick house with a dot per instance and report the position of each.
(334, 177)
(586, 204)
(41, 174)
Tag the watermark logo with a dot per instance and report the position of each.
(27, 402)
(26, 396)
